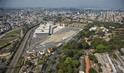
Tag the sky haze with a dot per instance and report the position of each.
(107, 4)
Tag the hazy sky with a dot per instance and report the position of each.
(63, 3)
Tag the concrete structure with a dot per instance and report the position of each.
(48, 29)
(4, 25)
(107, 65)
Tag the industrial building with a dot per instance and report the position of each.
(47, 29)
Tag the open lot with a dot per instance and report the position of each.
(60, 36)
(55, 39)
(10, 36)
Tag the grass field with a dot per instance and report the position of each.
(10, 36)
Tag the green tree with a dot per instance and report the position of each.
(92, 70)
(60, 71)
(75, 63)
(97, 41)
(70, 69)
(102, 48)
(93, 57)
(68, 60)
(85, 44)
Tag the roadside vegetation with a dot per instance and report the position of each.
(71, 52)
(69, 57)
(100, 45)
(10, 36)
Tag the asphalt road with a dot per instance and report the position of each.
(19, 52)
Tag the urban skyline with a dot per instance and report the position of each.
(100, 4)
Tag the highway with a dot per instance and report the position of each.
(19, 52)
